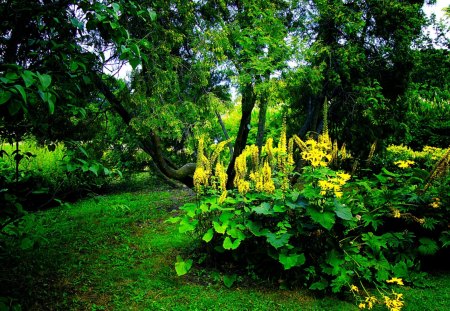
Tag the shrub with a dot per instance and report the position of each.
(331, 230)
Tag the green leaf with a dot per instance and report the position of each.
(208, 235)
(4, 97)
(21, 91)
(280, 208)
(220, 228)
(290, 261)
(28, 78)
(320, 285)
(427, 246)
(45, 80)
(26, 243)
(263, 209)
(325, 219)
(51, 98)
(182, 267)
(11, 76)
(116, 7)
(187, 225)
(228, 244)
(152, 14)
(229, 280)
(342, 211)
(14, 107)
(173, 220)
(278, 241)
(386, 172)
(94, 169)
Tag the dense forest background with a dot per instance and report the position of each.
(369, 79)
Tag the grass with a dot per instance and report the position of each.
(115, 252)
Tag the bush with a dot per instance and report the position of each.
(331, 230)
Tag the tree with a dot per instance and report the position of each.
(361, 60)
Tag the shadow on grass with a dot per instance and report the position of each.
(115, 252)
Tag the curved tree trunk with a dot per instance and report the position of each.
(151, 144)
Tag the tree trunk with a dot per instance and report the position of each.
(151, 143)
(248, 103)
(225, 133)
(263, 105)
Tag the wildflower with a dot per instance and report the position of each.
(354, 288)
(362, 305)
(269, 148)
(220, 146)
(436, 203)
(396, 281)
(221, 176)
(404, 164)
(268, 184)
(396, 213)
(371, 300)
(290, 152)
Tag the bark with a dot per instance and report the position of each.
(312, 119)
(225, 133)
(263, 105)
(151, 143)
(248, 103)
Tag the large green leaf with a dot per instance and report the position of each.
(290, 261)
(325, 219)
(342, 211)
(45, 80)
(28, 78)
(208, 235)
(220, 228)
(276, 240)
(182, 267)
(4, 97)
(228, 244)
(263, 209)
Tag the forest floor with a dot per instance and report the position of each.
(116, 252)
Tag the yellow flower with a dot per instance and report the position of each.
(435, 203)
(362, 305)
(371, 300)
(396, 213)
(404, 164)
(354, 288)
(396, 281)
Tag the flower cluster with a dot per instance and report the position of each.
(394, 304)
(334, 184)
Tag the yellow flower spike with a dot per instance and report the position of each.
(223, 196)
(219, 148)
(291, 152)
(267, 182)
(300, 143)
(269, 149)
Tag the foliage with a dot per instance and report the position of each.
(330, 229)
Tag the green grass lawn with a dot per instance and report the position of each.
(115, 252)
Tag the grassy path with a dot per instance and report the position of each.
(116, 253)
